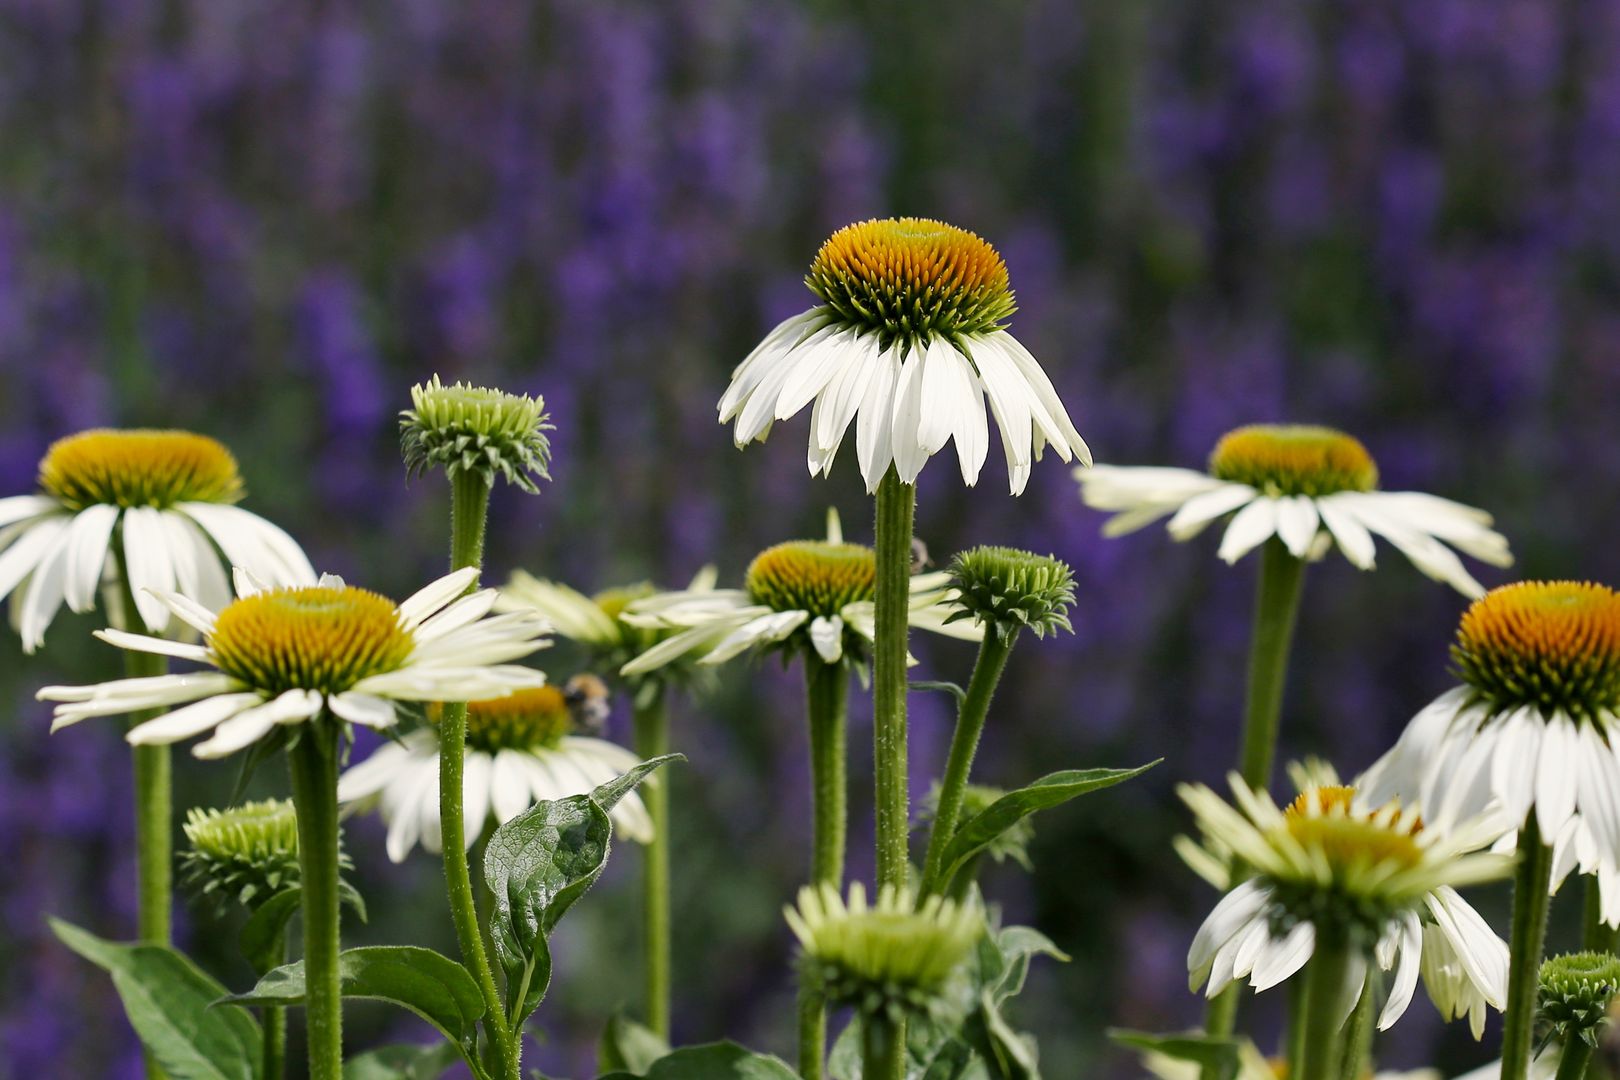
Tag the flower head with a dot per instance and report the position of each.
(466, 428)
(521, 749)
(1011, 589)
(1575, 992)
(155, 506)
(892, 958)
(1313, 488)
(1374, 875)
(909, 338)
(246, 853)
(285, 656)
(1551, 645)
(810, 596)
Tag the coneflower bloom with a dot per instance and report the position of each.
(1311, 487)
(907, 343)
(157, 506)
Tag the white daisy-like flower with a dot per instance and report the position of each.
(1380, 875)
(816, 594)
(279, 656)
(157, 503)
(1311, 487)
(1253, 1065)
(596, 622)
(907, 343)
(1532, 728)
(520, 750)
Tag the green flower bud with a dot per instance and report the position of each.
(465, 428)
(1575, 993)
(1009, 589)
(246, 853)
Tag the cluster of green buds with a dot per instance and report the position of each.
(243, 854)
(1010, 590)
(473, 429)
(886, 961)
(1574, 996)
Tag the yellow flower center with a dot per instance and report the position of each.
(1321, 819)
(912, 278)
(312, 638)
(1552, 644)
(813, 576)
(1293, 459)
(139, 468)
(525, 720)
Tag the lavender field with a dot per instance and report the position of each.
(264, 221)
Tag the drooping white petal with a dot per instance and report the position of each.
(42, 597)
(763, 630)
(910, 454)
(1348, 531)
(1297, 522)
(251, 725)
(811, 374)
(193, 719)
(773, 348)
(250, 541)
(1234, 911)
(25, 553)
(874, 422)
(360, 782)
(1201, 509)
(15, 508)
(367, 710)
(1557, 774)
(1409, 957)
(509, 791)
(246, 583)
(150, 565)
(1250, 527)
(160, 646)
(88, 539)
(430, 598)
(827, 635)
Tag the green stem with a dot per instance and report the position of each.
(1325, 976)
(1294, 1048)
(896, 504)
(987, 669)
(652, 740)
(275, 1028)
(314, 782)
(883, 1047)
(1577, 1058)
(1596, 936)
(1529, 933)
(827, 708)
(1358, 1032)
(1276, 607)
(469, 506)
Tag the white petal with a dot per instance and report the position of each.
(245, 583)
(360, 782)
(763, 630)
(812, 373)
(1197, 512)
(19, 560)
(1250, 527)
(431, 598)
(1297, 522)
(910, 454)
(194, 719)
(1284, 959)
(150, 564)
(251, 542)
(509, 790)
(160, 646)
(17, 508)
(366, 710)
(1557, 775)
(42, 598)
(88, 540)
(1410, 956)
(1233, 912)
(827, 635)
(775, 346)
(1348, 531)
(874, 425)
(251, 725)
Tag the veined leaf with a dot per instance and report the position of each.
(1219, 1051)
(402, 1062)
(713, 1061)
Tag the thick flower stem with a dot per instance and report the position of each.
(314, 783)
(1294, 1047)
(1358, 1032)
(273, 1061)
(652, 740)
(469, 505)
(896, 504)
(827, 706)
(883, 1048)
(993, 652)
(1529, 933)
(1577, 1057)
(1325, 976)
(1276, 607)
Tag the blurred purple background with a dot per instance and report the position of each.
(265, 220)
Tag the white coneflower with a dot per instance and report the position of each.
(281, 656)
(1311, 487)
(1253, 1065)
(816, 594)
(1532, 726)
(156, 506)
(521, 750)
(908, 341)
(1374, 876)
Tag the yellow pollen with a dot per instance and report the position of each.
(524, 720)
(139, 468)
(1356, 841)
(312, 638)
(1294, 459)
(912, 278)
(1333, 799)
(813, 576)
(1555, 644)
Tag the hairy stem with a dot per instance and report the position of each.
(896, 504)
(883, 1047)
(826, 706)
(273, 1061)
(1358, 1031)
(1529, 934)
(1276, 606)
(987, 669)
(652, 740)
(1325, 976)
(314, 782)
(1577, 1057)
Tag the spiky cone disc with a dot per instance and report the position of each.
(1013, 590)
(1575, 993)
(465, 428)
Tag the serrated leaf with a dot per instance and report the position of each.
(713, 1061)
(1220, 1052)
(630, 1046)
(537, 865)
(402, 1062)
(429, 984)
(167, 999)
(1052, 790)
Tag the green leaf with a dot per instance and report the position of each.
(263, 937)
(1005, 957)
(1218, 1051)
(944, 687)
(402, 1062)
(167, 999)
(630, 1046)
(1009, 1054)
(537, 865)
(713, 1061)
(431, 985)
(1049, 791)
